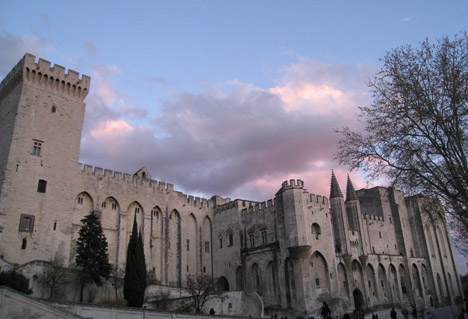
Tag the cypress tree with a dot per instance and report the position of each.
(135, 269)
(92, 255)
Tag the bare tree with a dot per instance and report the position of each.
(116, 278)
(199, 287)
(54, 276)
(416, 128)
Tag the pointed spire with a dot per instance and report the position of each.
(335, 190)
(350, 192)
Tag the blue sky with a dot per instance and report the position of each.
(222, 97)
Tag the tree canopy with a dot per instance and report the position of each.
(135, 270)
(415, 130)
(92, 256)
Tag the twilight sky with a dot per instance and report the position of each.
(222, 97)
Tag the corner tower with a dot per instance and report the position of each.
(41, 116)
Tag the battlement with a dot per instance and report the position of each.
(12, 79)
(129, 178)
(318, 199)
(54, 77)
(372, 217)
(299, 184)
(153, 184)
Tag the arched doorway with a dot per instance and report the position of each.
(223, 284)
(358, 299)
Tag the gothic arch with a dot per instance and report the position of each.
(156, 242)
(403, 282)
(425, 279)
(342, 281)
(174, 249)
(206, 242)
(358, 275)
(371, 284)
(110, 213)
(82, 206)
(110, 221)
(383, 284)
(320, 273)
(272, 284)
(223, 284)
(134, 210)
(290, 281)
(316, 231)
(394, 283)
(239, 278)
(190, 245)
(416, 280)
(256, 279)
(442, 292)
(450, 284)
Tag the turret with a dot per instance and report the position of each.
(352, 208)
(353, 211)
(339, 218)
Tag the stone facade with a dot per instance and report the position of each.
(371, 248)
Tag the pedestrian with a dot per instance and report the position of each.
(414, 313)
(393, 314)
(405, 313)
(325, 311)
(461, 313)
(429, 315)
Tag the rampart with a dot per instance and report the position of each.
(136, 181)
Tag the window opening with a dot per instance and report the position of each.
(231, 239)
(55, 225)
(24, 243)
(103, 205)
(252, 239)
(80, 200)
(207, 246)
(264, 237)
(37, 146)
(188, 244)
(220, 242)
(41, 186)
(26, 223)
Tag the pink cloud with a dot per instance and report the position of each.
(241, 143)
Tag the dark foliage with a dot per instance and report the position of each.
(16, 281)
(135, 270)
(92, 256)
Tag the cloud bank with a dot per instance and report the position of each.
(240, 143)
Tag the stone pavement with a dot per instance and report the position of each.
(439, 313)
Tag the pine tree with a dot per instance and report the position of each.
(92, 256)
(135, 270)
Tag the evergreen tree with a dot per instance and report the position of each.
(92, 254)
(135, 270)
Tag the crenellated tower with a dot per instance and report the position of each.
(339, 217)
(41, 116)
